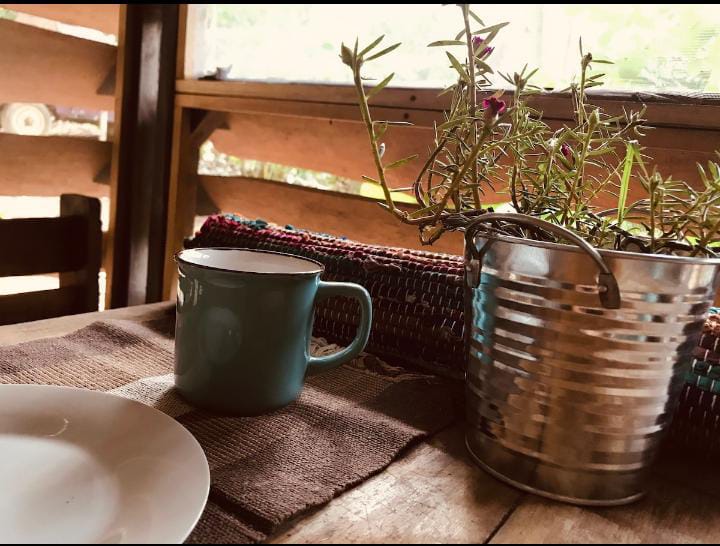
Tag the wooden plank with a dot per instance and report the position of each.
(660, 137)
(182, 196)
(662, 110)
(431, 495)
(47, 67)
(142, 151)
(45, 166)
(110, 255)
(306, 109)
(41, 304)
(339, 147)
(32, 246)
(330, 212)
(88, 209)
(102, 17)
(670, 513)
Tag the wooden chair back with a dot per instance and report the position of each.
(69, 244)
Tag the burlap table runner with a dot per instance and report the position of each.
(348, 423)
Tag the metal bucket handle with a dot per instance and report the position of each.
(609, 291)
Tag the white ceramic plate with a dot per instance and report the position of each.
(79, 466)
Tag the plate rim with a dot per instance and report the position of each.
(182, 536)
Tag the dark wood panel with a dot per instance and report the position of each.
(102, 17)
(43, 66)
(33, 246)
(88, 209)
(50, 166)
(41, 304)
(142, 151)
(335, 213)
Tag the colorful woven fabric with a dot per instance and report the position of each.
(417, 296)
(419, 313)
(696, 425)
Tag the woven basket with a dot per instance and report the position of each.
(696, 424)
(418, 312)
(417, 296)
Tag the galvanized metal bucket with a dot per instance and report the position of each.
(570, 381)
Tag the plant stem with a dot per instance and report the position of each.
(472, 99)
(365, 112)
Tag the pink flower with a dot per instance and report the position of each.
(477, 41)
(566, 151)
(493, 106)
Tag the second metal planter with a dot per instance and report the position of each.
(570, 382)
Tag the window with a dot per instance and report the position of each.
(667, 48)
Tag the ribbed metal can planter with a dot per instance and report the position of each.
(570, 381)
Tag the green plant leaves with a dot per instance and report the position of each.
(401, 162)
(441, 43)
(372, 45)
(384, 52)
(458, 67)
(379, 87)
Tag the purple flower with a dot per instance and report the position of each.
(477, 41)
(493, 107)
(566, 151)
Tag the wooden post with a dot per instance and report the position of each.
(142, 149)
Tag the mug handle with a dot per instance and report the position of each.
(357, 292)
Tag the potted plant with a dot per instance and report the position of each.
(580, 321)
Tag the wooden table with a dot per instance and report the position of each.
(434, 493)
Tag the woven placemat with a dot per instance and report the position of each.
(348, 424)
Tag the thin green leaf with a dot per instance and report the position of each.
(372, 45)
(401, 162)
(440, 43)
(493, 28)
(484, 66)
(346, 55)
(379, 87)
(384, 52)
(625, 181)
(458, 67)
(477, 19)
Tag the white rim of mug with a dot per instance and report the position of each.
(320, 267)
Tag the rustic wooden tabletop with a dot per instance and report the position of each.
(434, 493)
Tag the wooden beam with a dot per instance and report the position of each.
(49, 166)
(339, 147)
(662, 110)
(305, 109)
(102, 17)
(47, 67)
(701, 140)
(141, 158)
(182, 196)
(339, 214)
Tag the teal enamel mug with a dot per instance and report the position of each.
(244, 320)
